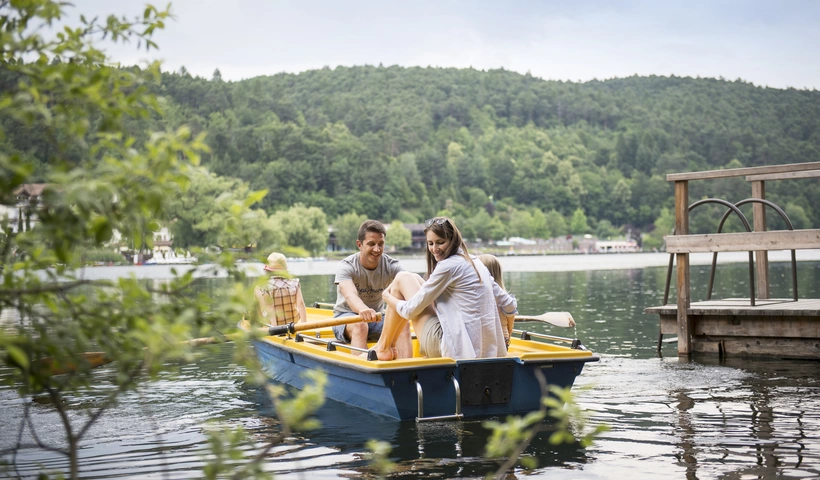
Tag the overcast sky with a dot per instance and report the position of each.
(770, 43)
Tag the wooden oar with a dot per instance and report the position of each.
(331, 322)
(98, 359)
(559, 319)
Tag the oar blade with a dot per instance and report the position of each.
(559, 319)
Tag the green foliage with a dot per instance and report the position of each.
(797, 215)
(297, 411)
(227, 450)
(522, 224)
(104, 256)
(295, 408)
(578, 224)
(509, 439)
(398, 237)
(556, 224)
(346, 229)
(664, 225)
(304, 227)
(378, 457)
(380, 141)
(212, 210)
(94, 135)
(605, 230)
(569, 416)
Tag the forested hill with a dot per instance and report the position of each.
(406, 142)
(506, 154)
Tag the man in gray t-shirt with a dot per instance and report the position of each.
(360, 281)
(369, 283)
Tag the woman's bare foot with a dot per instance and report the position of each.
(391, 353)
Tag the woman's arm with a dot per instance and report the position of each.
(430, 290)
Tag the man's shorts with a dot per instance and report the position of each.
(374, 329)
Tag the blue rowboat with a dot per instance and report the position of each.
(424, 388)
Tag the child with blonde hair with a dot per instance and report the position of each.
(507, 319)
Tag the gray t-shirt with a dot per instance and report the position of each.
(369, 283)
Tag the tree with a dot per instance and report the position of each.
(556, 224)
(578, 224)
(398, 237)
(521, 224)
(664, 225)
(346, 229)
(100, 178)
(539, 224)
(605, 230)
(304, 227)
(482, 226)
(206, 214)
(797, 215)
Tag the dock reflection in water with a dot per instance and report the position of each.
(705, 418)
(670, 419)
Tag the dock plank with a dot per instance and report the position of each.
(741, 306)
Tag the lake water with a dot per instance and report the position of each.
(669, 418)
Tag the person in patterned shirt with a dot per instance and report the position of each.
(280, 300)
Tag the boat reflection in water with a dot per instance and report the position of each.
(440, 449)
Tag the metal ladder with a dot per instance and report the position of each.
(456, 416)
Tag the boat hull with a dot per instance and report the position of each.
(420, 388)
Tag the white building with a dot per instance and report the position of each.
(616, 246)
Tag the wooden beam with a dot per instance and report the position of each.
(682, 278)
(741, 172)
(744, 242)
(749, 328)
(800, 348)
(784, 176)
(761, 256)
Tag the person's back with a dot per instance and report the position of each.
(280, 300)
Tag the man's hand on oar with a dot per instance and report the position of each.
(559, 319)
(330, 322)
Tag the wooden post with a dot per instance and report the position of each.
(761, 256)
(684, 297)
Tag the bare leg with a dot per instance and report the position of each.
(357, 332)
(396, 329)
(404, 343)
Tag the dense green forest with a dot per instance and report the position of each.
(505, 154)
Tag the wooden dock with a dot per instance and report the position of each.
(773, 327)
(758, 325)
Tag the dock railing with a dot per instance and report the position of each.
(759, 241)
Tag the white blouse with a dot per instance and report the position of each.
(467, 309)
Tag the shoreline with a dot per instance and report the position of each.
(534, 263)
(574, 262)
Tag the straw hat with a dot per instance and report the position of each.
(276, 263)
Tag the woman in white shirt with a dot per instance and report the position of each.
(455, 311)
